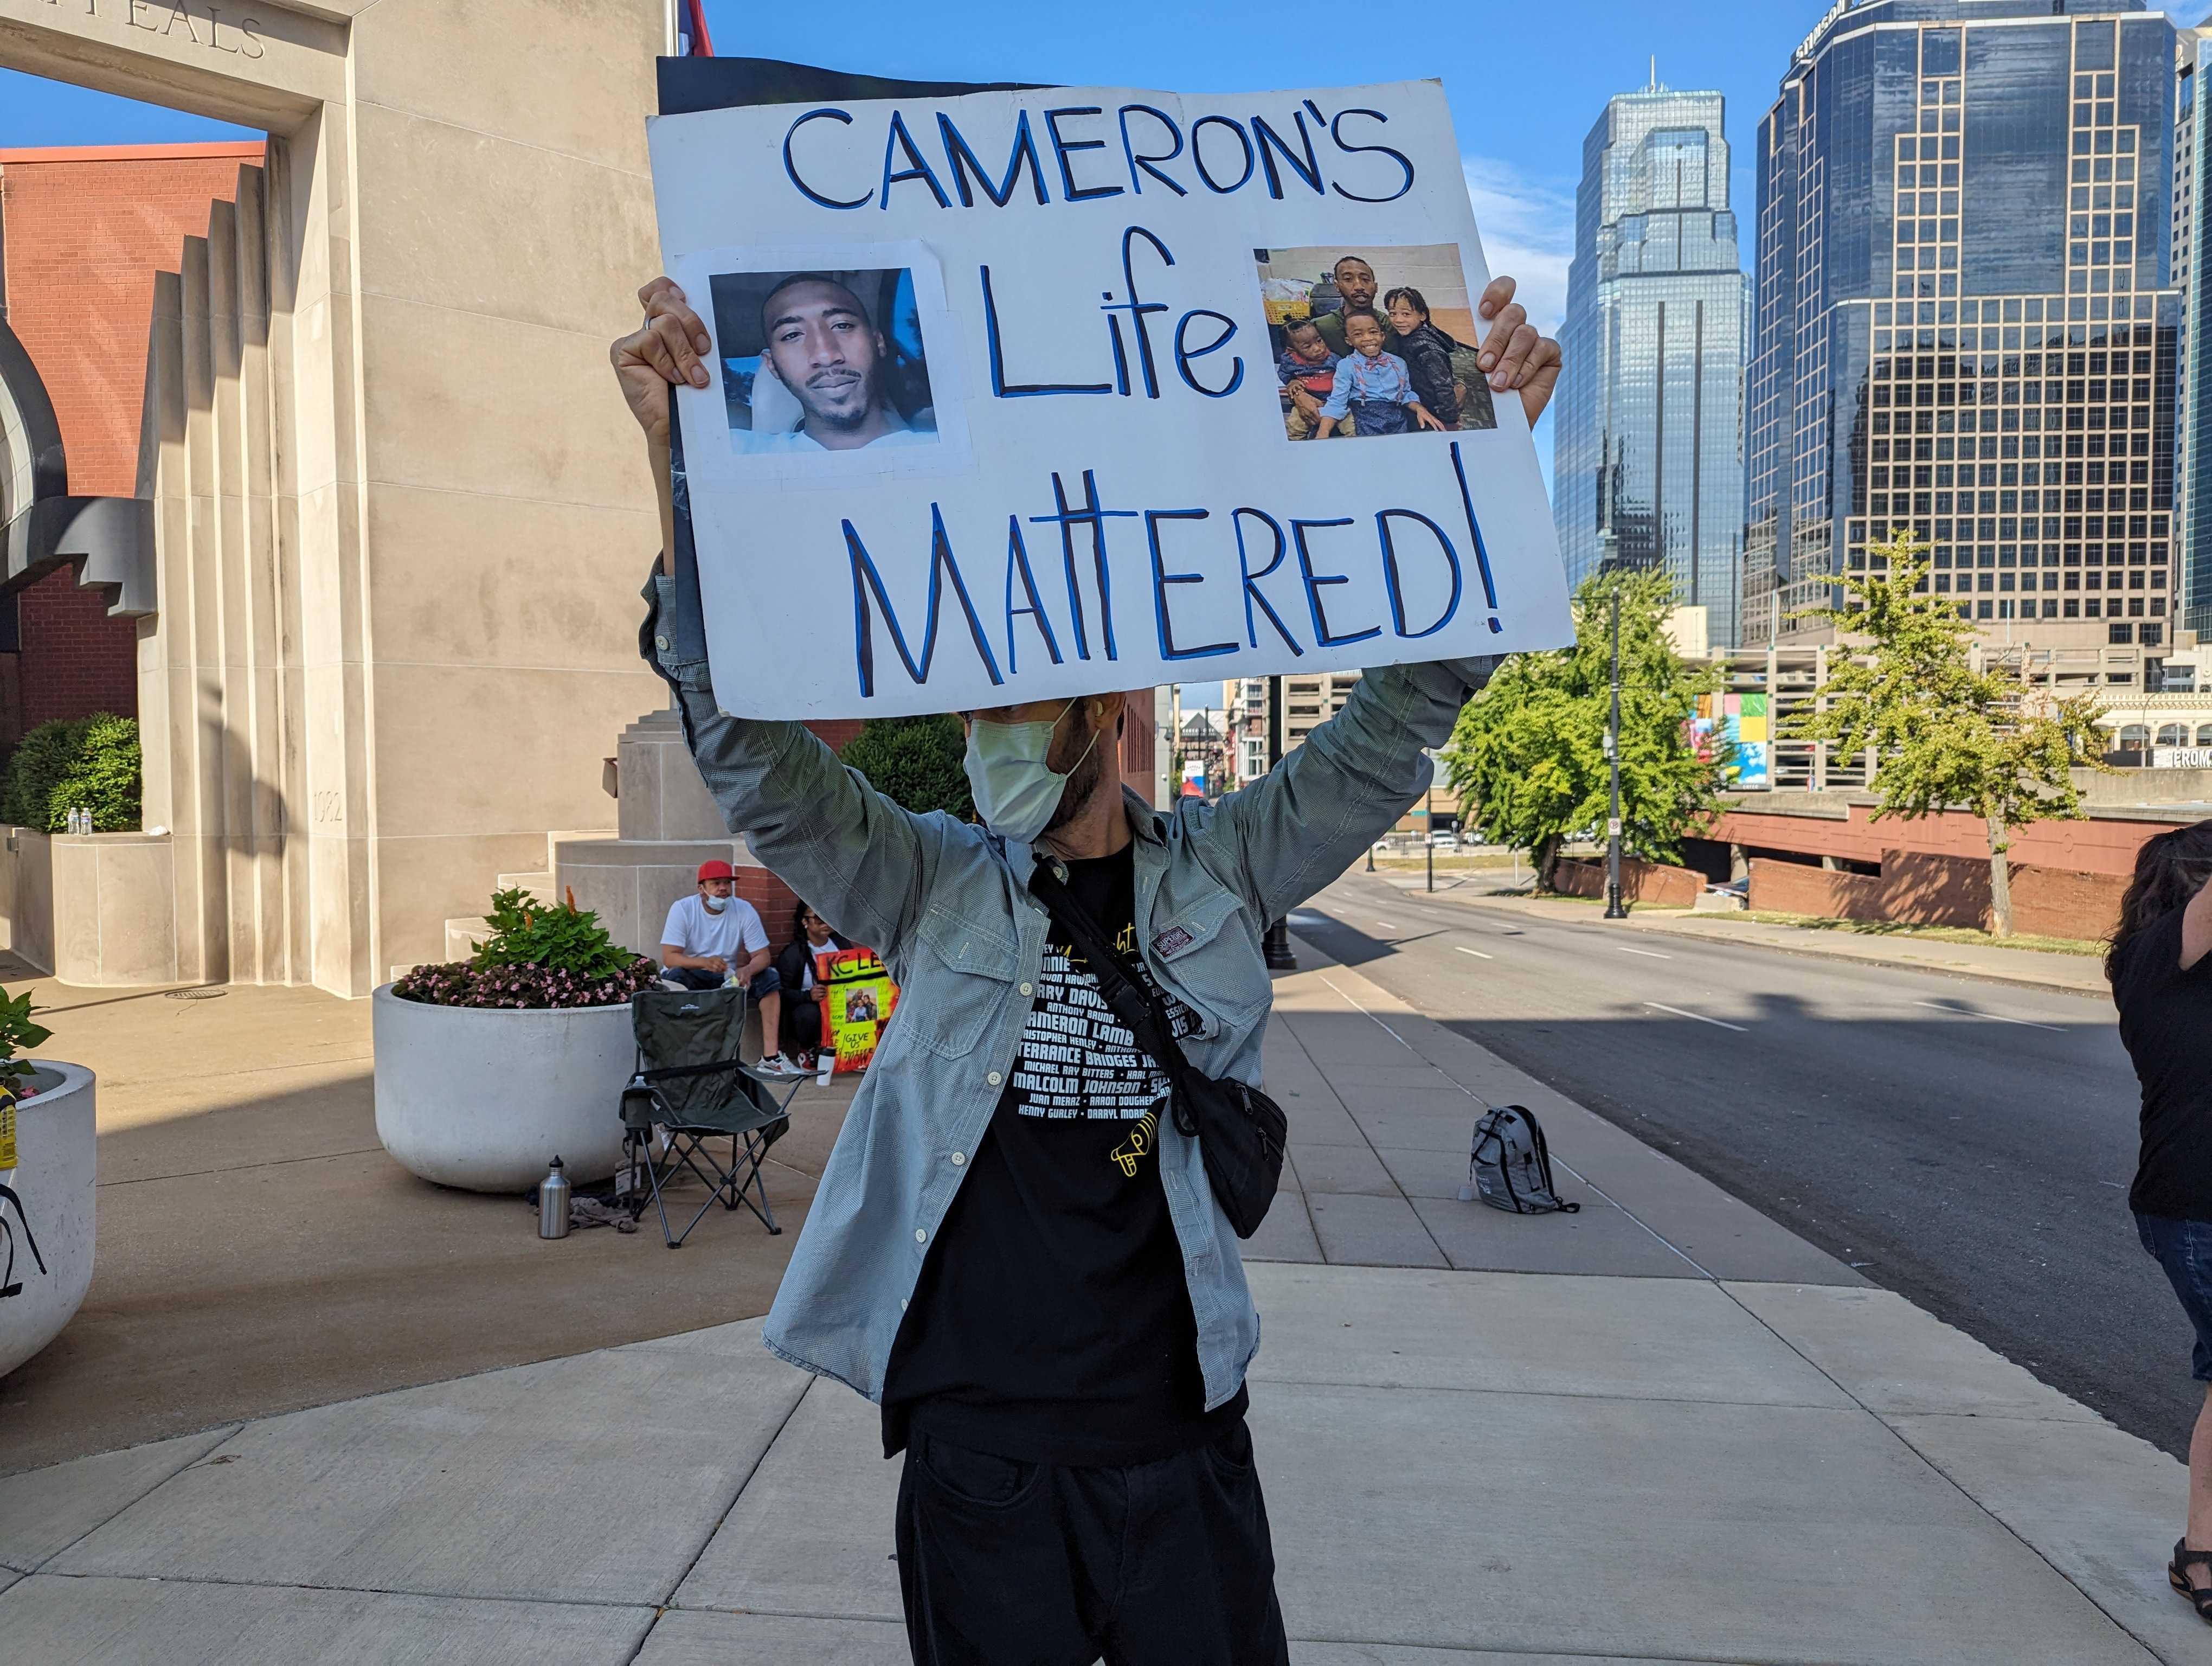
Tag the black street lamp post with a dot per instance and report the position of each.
(1429, 833)
(1279, 957)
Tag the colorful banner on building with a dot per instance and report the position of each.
(858, 998)
(1737, 729)
(1043, 387)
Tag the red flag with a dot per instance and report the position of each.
(703, 45)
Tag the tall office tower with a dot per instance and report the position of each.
(2192, 480)
(1965, 318)
(1648, 458)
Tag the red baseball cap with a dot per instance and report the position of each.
(716, 871)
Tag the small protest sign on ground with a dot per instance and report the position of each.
(1018, 395)
(857, 998)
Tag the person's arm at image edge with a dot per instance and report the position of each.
(813, 822)
(2196, 927)
(1302, 823)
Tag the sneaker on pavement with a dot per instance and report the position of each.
(776, 1065)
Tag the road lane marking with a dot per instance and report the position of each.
(1648, 954)
(1477, 953)
(1994, 1018)
(1700, 1017)
(1385, 925)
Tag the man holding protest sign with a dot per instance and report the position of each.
(1013, 1251)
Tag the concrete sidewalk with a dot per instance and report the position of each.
(2036, 968)
(1661, 1429)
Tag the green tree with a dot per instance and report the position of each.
(75, 764)
(1527, 755)
(915, 762)
(1945, 735)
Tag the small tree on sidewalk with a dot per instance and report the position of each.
(1945, 735)
(1527, 755)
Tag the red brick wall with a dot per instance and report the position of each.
(1943, 891)
(1656, 884)
(82, 232)
(1793, 888)
(75, 659)
(2053, 902)
(2095, 844)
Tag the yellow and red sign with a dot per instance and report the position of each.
(857, 998)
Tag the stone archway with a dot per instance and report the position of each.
(399, 526)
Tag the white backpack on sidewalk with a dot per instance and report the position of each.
(1510, 1166)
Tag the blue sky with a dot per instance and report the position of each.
(1526, 81)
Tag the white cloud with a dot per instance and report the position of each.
(1528, 229)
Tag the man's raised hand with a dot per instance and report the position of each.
(1515, 356)
(665, 348)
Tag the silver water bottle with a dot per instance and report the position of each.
(553, 1203)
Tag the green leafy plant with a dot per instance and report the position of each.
(104, 777)
(1527, 754)
(915, 762)
(561, 938)
(537, 955)
(17, 1035)
(1946, 734)
(75, 764)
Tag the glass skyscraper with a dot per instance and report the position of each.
(2192, 496)
(1648, 460)
(1965, 322)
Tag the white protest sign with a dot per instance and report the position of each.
(1014, 397)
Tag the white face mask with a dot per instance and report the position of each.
(1016, 790)
(714, 904)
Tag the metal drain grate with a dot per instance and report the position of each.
(196, 994)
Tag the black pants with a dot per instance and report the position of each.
(802, 1023)
(1165, 1563)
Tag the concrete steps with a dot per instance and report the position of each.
(463, 936)
(539, 885)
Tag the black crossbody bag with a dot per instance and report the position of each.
(1242, 1133)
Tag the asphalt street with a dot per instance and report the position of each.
(1967, 1144)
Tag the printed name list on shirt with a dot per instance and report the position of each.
(995, 413)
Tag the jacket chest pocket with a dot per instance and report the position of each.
(959, 975)
(1210, 955)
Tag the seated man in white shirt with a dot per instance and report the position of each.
(716, 937)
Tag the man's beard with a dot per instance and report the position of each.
(850, 418)
(1083, 781)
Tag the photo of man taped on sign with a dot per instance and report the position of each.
(817, 361)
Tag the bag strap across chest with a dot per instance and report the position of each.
(1127, 995)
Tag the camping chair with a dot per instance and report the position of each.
(690, 1085)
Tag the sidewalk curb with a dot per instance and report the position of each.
(1820, 952)
(1896, 963)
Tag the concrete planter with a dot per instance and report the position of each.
(54, 1148)
(484, 1098)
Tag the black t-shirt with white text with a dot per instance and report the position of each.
(1052, 1323)
(2165, 1015)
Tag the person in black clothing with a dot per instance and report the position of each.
(1067, 1493)
(803, 1032)
(2161, 980)
(1427, 352)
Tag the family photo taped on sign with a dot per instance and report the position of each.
(1037, 393)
